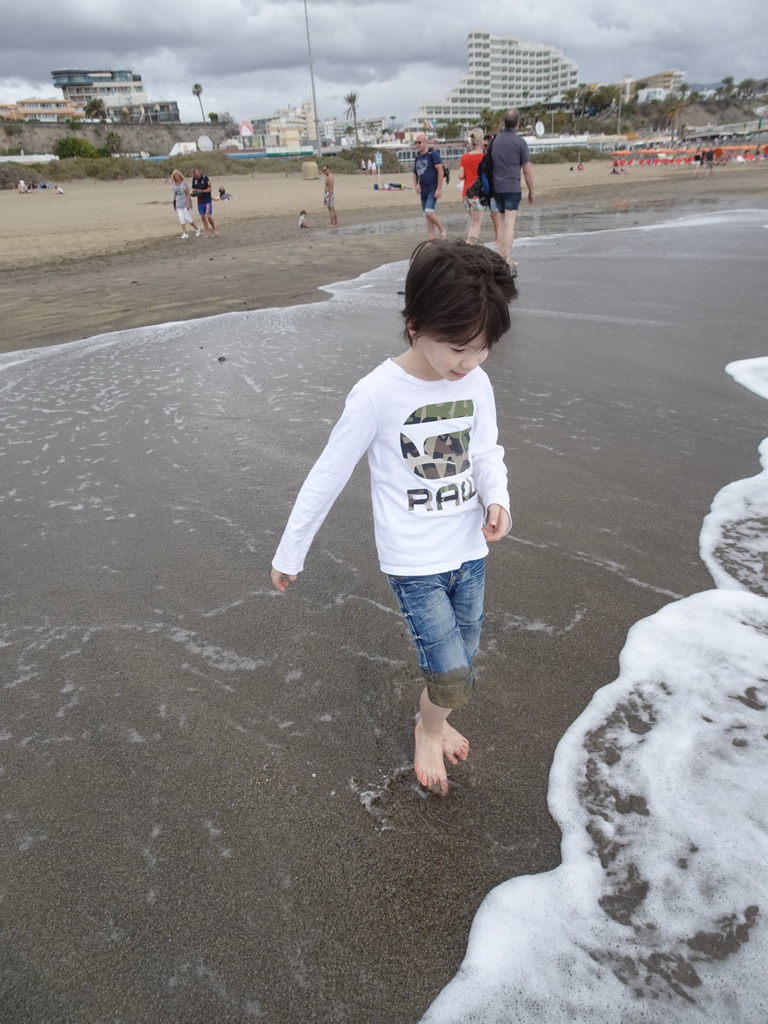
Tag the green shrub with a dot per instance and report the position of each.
(72, 147)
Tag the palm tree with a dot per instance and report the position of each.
(113, 142)
(352, 99)
(487, 120)
(95, 110)
(197, 90)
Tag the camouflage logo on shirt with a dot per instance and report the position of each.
(442, 411)
(444, 455)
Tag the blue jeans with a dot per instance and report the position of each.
(508, 201)
(428, 201)
(444, 613)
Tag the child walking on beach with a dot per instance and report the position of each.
(427, 420)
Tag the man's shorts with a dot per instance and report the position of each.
(444, 613)
(494, 207)
(428, 201)
(329, 199)
(473, 205)
(508, 200)
(205, 208)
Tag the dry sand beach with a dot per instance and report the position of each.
(107, 256)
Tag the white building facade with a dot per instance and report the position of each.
(119, 91)
(503, 72)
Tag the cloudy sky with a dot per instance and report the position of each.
(250, 56)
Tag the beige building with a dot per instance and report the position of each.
(292, 127)
(670, 80)
(39, 109)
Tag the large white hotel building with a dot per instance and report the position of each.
(503, 72)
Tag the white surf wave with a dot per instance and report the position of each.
(658, 910)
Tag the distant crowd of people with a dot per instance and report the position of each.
(491, 172)
(24, 189)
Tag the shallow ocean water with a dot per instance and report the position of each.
(144, 480)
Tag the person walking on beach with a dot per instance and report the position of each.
(509, 155)
(182, 203)
(201, 184)
(709, 160)
(468, 165)
(428, 173)
(427, 420)
(329, 197)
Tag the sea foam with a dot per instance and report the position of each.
(658, 910)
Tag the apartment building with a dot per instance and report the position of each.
(503, 72)
(122, 92)
(36, 109)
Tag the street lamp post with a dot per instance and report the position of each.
(312, 79)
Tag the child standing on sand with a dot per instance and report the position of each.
(427, 420)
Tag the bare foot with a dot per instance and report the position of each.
(428, 761)
(443, 233)
(455, 746)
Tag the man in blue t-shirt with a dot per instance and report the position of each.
(428, 181)
(201, 185)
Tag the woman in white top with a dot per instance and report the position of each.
(182, 203)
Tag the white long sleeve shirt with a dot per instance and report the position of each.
(435, 465)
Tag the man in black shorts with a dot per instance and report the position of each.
(509, 157)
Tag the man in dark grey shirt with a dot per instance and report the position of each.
(509, 155)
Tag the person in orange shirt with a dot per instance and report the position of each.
(468, 174)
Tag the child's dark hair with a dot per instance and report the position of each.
(456, 292)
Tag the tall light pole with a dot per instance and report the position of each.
(312, 79)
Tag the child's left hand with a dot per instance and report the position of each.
(497, 523)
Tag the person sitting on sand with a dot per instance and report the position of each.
(224, 195)
(303, 222)
(182, 203)
(428, 422)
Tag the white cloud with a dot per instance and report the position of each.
(251, 55)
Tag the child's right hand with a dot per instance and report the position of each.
(280, 580)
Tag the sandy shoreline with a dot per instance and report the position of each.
(107, 256)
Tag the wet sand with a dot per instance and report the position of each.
(108, 256)
(185, 837)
